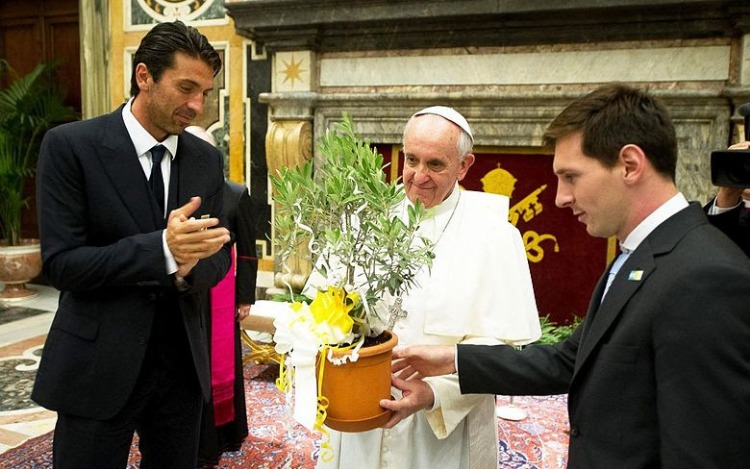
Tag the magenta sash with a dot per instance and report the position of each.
(223, 312)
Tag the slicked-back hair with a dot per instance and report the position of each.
(158, 47)
(616, 115)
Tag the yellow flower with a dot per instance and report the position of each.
(331, 308)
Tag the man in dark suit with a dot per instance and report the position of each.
(658, 375)
(133, 245)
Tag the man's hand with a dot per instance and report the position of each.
(728, 197)
(417, 395)
(415, 361)
(183, 270)
(243, 311)
(190, 240)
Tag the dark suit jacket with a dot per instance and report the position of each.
(101, 241)
(229, 436)
(735, 223)
(238, 212)
(658, 375)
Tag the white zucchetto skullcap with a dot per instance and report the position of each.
(450, 114)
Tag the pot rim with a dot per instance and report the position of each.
(370, 350)
(24, 243)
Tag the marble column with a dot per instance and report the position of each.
(289, 141)
(289, 144)
(738, 134)
(95, 48)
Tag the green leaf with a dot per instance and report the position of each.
(29, 106)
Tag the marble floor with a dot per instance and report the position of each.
(23, 327)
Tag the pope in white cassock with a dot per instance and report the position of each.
(478, 291)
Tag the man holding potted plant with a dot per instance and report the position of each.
(478, 289)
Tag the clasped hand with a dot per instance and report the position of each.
(190, 240)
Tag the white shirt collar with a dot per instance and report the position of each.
(142, 140)
(670, 207)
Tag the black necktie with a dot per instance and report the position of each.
(156, 180)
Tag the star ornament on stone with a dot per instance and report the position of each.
(293, 71)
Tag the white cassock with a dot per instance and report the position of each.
(478, 291)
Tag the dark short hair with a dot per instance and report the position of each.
(616, 115)
(158, 47)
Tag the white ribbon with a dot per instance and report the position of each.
(299, 338)
(294, 338)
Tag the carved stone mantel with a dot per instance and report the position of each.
(340, 25)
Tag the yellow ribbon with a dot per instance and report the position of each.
(326, 450)
(285, 379)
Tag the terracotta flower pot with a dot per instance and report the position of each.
(18, 265)
(354, 389)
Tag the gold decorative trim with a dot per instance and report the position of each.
(260, 353)
(289, 144)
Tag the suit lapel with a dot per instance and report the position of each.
(120, 162)
(632, 275)
(641, 263)
(191, 167)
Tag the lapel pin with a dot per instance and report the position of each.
(635, 275)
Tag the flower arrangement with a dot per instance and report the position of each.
(360, 235)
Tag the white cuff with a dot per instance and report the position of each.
(715, 210)
(171, 263)
(436, 402)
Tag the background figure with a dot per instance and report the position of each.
(728, 213)
(477, 290)
(225, 428)
(658, 374)
(134, 245)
